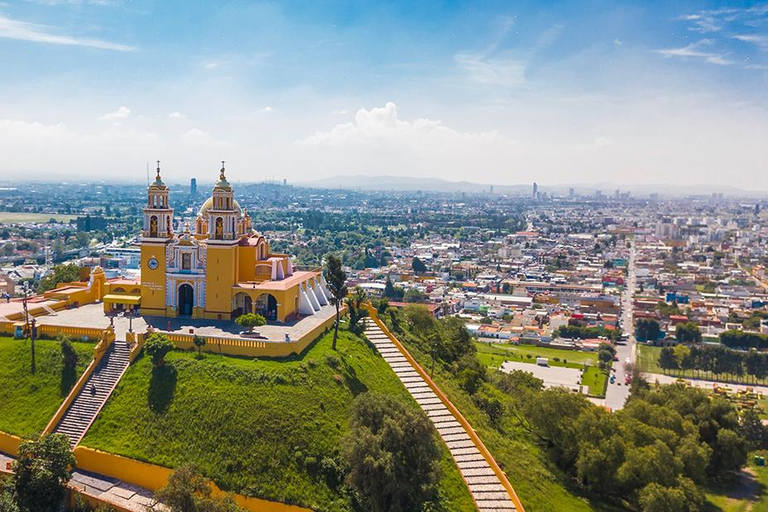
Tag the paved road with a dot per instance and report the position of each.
(617, 393)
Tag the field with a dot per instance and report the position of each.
(750, 494)
(29, 400)
(596, 380)
(265, 428)
(648, 357)
(492, 355)
(26, 218)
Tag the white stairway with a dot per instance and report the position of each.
(485, 486)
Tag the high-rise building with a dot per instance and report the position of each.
(535, 190)
(193, 187)
(571, 193)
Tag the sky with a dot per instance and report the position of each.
(647, 92)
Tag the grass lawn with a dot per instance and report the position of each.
(25, 217)
(648, 360)
(257, 427)
(748, 494)
(596, 380)
(492, 355)
(29, 400)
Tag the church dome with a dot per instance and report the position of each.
(208, 205)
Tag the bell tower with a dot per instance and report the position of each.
(155, 236)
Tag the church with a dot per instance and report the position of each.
(218, 270)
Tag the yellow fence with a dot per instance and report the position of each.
(9, 444)
(152, 477)
(98, 352)
(245, 347)
(454, 410)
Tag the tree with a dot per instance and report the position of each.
(418, 266)
(41, 473)
(667, 359)
(647, 329)
(189, 491)
(199, 342)
(389, 289)
(69, 355)
(250, 320)
(355, 303)
(682, 356)
(391, 454)
(59, 274)
(157, 346)
(605, 354)
(336, 280)
(688, 332)
(414, 295)
(753, 430)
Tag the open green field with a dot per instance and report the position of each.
(748, 494)
(648, 360)
(28, 401)
(596, 380)
(492, 355)
(25, 217)
(265, 428)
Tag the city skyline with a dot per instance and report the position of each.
(506, 94)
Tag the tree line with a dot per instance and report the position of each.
(715, 359)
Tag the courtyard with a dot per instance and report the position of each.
(92, 315)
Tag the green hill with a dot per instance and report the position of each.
(29, 400)
(265, 428)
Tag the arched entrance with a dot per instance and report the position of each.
(241, 304)
(186, 300)
(266, 305)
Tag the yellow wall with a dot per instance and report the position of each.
(247, 263)
(9, 444)
(152, 281)
(154, 477)
(220, 277)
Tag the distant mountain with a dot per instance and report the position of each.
(405, 183)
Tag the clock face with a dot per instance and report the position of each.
(152, 263)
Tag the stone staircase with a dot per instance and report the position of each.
(489, 493)
(87, 404)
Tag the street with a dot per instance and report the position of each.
(618, 392)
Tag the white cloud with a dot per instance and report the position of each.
(212, 64)
(382, 125)
(267, 109)
(23, 31)
(693, 50)
(491, 71)
(176, 115)
(702, 23)
(618, 42)
(340, 112)
(120, 113)
(757, 40)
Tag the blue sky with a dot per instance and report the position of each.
(497, 92)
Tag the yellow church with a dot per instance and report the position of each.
(220, 270)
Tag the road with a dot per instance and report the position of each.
(617, 393)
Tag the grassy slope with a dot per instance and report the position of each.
(250, 425)
(29, 401)
(750, 495)
(540, 486)
(495, 354)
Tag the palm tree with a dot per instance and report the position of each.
(336, 280)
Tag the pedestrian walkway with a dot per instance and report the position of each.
(486, 488)
(94, 394)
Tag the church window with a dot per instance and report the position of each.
(186, 261)
(219, 233)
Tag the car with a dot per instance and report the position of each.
(613, 379)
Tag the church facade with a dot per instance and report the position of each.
(221, 269)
